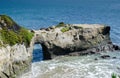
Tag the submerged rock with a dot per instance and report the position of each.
(114, 57)
(116, 47)
(96, 59)
(105, 56)
(75, 39)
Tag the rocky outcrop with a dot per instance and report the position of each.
(16, 46)
(14, 60)
(16, 43)
(74, 39)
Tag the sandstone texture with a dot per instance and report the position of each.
(74, 39)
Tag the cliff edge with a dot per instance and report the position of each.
(16, 46)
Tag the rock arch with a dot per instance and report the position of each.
(85, 39)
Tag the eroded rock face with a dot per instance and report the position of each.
(14, 60)
(16, 46)
(74, 39)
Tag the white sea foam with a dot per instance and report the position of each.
(76, 67)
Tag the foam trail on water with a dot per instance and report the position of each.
(76, 67)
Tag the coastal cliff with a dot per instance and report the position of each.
(14, 60)
(16, 46)
(74, 39)
(16, 43)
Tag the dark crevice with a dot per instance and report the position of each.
(5, 74)
(46, 54)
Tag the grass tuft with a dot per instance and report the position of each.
(65, 29)
(11, 37)
(12, 33)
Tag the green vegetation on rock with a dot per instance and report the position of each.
(11, 37)
(115, 76)
(65, 29)
(12, 33)
(7, 19)
(61, 24)
(25, 35)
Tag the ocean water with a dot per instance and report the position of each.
(76, 67)
(36, 14)
(37, 53)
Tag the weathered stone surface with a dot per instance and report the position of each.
(75, 39)
(14, 60)
(16, 48)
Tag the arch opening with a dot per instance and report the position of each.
(37, 53)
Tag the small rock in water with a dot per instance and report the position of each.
(96, 58)
(105, 56)
(114, 57)
(118, 68)
(116, 47)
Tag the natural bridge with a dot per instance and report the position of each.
(76, 39)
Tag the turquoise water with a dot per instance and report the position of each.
(36, 14)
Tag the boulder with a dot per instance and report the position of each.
(105, 56)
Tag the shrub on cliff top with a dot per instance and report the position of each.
(61, 24)
(7, 23)
(7, 19)
(25, 35)
(13, 33)
(10, 37)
